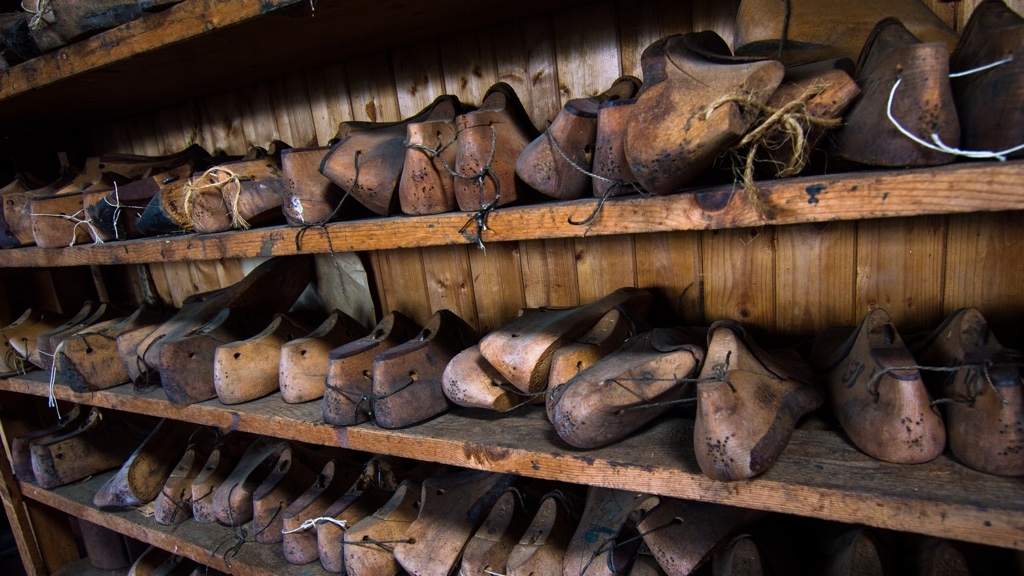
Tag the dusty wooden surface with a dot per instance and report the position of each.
(193, 540)
(969, 187)
(820, 475)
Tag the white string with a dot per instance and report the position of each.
(78, 222)
(117, 209)
(36, 22)
(52, 399)
(313, 522)
(937, 144)
(486, 571)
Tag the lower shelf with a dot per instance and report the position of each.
(198, 542)
(820, 475)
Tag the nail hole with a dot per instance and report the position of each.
(238, 355)
(414, 375)
(440, 491)
(303, 353)
(191, 355)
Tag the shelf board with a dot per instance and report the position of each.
(967, 187)
(191, 539)
(821, 475)
(202, 47)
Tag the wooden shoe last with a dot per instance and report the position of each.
(299, 540)
(490, 140)
(143, 475)
(350, 509)
(407, 378)
(541, 550)
(604, 515)
(610, 162)
(427, 186)
(470, 380)
(452, 507)
(490, 546)
(236, 195)
(216, 469)
(304, 361)
(683, 534)
(572, 134)
(249, 369)
(90, 360)
(97, 445)
(877, 395)
(985, 415)
(232, 502)
(922, 104)
(294, 471)
(988, 103)
(308, 197)
(679, 124)
(348, 398)
(748, 404)
(173, 505)
(369, 543)
(368, 161)
(522, 349)
(739, 558)
(21, 446)
(609, 400)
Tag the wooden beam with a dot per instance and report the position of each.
(968, 187)
(820, 475)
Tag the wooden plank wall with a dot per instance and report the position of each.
(795, 279)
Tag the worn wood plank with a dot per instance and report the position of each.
(604, 264)
(525, 55)
(222, 124)
(53, 534)
(815, 269)
(401, 283)
(467, 60)
(196, 542)
(418, 76)
(984, 253)
(16, 412)
(643, 22)
(900, 268)
(549, 273)
(258, 122)
(497, 284)
(968, 187)
(819, 475)
(718, 16)
(739, 275)
(587, 51)
(371, 88)
(328, 100)
(670, 266)
(449, 281)
(292, 110)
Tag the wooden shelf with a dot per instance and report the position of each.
(202, 47)
(967, 187)
(191, 539)
(821, 475)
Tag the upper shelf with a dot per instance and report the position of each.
(202, 47)
(820, 475)
(959, 188)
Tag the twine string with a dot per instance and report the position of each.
(791, 121)
(78, 222)
(609, 546)
(117, 210)
(937, 144)
(193, 186)
(974, 387)
(322, 225)
(366, 541)
(36, 21)
(179, 504)
(615, 184)
(312, 522)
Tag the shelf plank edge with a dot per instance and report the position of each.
(960, 188)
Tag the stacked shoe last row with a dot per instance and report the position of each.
(896, 107)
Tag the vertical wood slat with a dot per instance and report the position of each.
(604, 264)
(669, 266)
(450, 281)
(497, 284)
(401, 283)
(641, 23)
(739, 275)
(814, 278)
(16, 415)
(587, 50)
(549, 273)
(525, 54)
(328, 100)
(983, 268)
(467, 61)
(900, 268)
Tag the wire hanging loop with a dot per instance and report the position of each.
(936, 143)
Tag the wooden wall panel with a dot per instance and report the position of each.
(604, 264)
(450, 281)
(525, 55)
(371, 89)
(328, 101)
(549, 273)
(586, 49)
(983, 268)
(418, 76)
(814, 281)
(900, 268)
(468, 63)
(293, 112)
(669, 265)
(739, 275)
(497, 284)
(719, 16)
(401, 268)
(643, 22)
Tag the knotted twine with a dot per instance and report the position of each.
(479, 218)
(37, 20)
(791, 121)
(193, 187)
